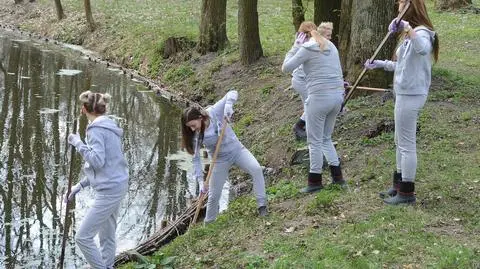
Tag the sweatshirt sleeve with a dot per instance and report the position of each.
(390, 65)
(84, 182)
(94, 151)
(229, 98)
(197, 162)
(422, 43)
(294, 58)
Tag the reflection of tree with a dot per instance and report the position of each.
(12, 146)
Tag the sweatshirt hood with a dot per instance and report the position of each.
(423, 28)
(106, 123)
(312, 45)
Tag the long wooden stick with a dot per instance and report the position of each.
(371, 89)
(355, 85)
(210, 170)
(66, 222)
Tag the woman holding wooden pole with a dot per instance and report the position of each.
(417, 49)
(106, 171)
(203, 126)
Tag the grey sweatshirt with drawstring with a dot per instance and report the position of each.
(105, 166)
(322, 68)
(413, 69)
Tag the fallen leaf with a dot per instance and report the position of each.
(376, 252)
(290, 230)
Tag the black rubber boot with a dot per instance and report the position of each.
(405, 195)
(299, 130)
(314, 183)
(337, 177)
(397, 178)
(262, 211)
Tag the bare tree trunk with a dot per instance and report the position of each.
(248, 32)
(328, 10)
(213, 26)
(368, 26)
(18, 1)
(451, 4)
(298, 13)
(344, 30)
(59, 8)
(88, 13)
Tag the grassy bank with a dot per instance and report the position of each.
(334, 228)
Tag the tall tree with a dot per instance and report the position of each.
(88, 14)
(363, 25)
(59, 8)
(213, 26)
(298, 13)
(248, 32)
(451, 4)
(328, 10)
(18, 1)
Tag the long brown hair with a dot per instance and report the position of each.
(416, 16)
(306, 27)
(192, 113)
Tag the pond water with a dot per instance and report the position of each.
(39, 86)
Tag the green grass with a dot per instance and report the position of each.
(334, 228)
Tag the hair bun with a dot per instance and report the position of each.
(106, 97)
(84, 96)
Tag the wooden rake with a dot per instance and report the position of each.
(355, 85)
(210, 170)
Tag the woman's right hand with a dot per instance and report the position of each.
(203, 188)
(300, 38)
(75, 189)
(374, 64)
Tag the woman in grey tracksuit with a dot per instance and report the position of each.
(412, 77)
(321, 64)
(106, 172)
(203, 126)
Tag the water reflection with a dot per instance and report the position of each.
(37, 96)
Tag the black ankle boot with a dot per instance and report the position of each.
(314, 183)
(337, 177)
(397, 178)
(299, 130)
(405, 195)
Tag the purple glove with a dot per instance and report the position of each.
(300, 38)
(374, 64)
(346, 84)
(74, 140)
(394, 27)
(203, 188)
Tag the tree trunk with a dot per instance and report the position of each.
(328, 10)
(298, 13)
(451, 4)
(18, 1)
(213, 26)
(59, 8)
(248, 32)
(368, 26)
(88, 14)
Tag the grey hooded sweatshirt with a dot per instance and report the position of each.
(105, 168)
(230, 145)
(413, 68)
(322, 68)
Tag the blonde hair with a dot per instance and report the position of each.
(320, 39)
(95, 102)
(324, 25)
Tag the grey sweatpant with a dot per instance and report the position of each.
(100, 219)
(322, 111)
(407, 108)
(300, 86)
(245, 161)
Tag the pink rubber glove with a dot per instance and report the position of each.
(375, 64)
(300, 38)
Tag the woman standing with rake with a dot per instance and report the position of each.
(413, 67)
(203, 126)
